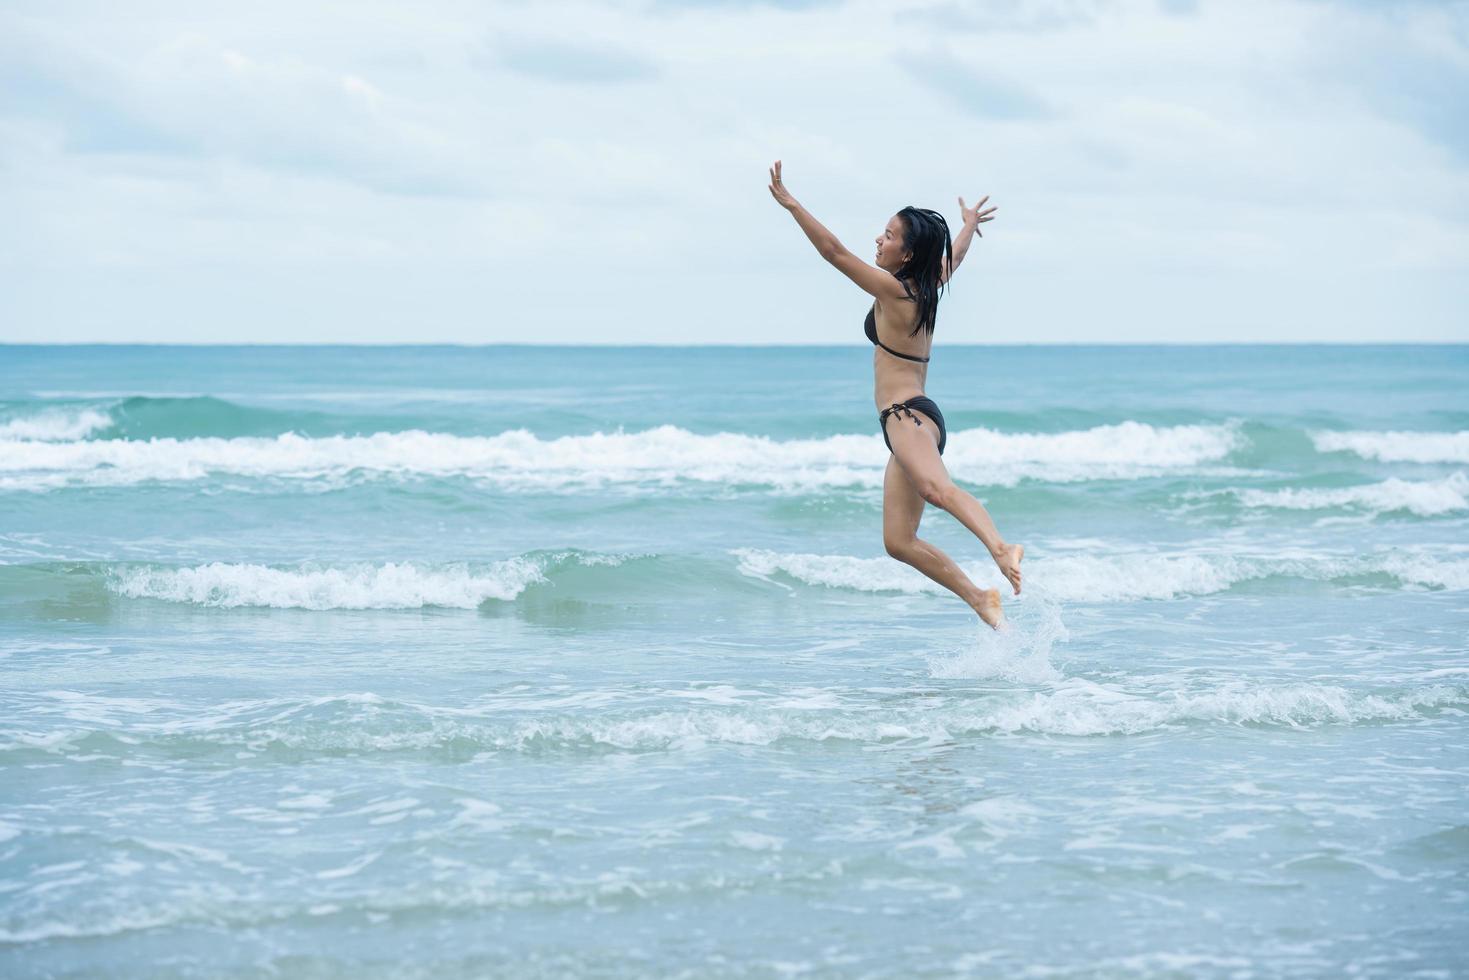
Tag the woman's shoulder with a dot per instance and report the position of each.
(909, 298)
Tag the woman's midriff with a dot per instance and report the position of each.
(895, 381)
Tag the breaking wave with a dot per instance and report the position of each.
(642, 578)
(54, 425)
(392, 585)
(1397, 447)
(662, 456)
(1110, 578)
(1425, 498)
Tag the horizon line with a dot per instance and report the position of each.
(729, 346)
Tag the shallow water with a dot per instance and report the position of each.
(541, 662)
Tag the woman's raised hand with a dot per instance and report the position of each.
(974, 216)
(778, 190)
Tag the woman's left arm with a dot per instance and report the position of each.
(972, 218)
(877, 282)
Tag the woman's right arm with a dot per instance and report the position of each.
(873, 281)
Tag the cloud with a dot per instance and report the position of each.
(381, 171)
(1410, 78)
(982, 93)
(699, 5)
(91, 118)
(1429, 94)
(1024, 16)
(562, 61)
(194, 97)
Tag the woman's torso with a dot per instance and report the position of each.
(896, 379)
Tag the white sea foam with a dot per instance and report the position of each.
(1125, 451)
(57, 928)
(1426, 498)
(361, 586)
(54, 425)
(1417, 569)
(1115, 577)
(1070, 706)
(1397, 447)
(661, 456)
(1065, 578)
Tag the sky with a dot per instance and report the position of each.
(1166, 171)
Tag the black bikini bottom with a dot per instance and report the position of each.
(922, 404)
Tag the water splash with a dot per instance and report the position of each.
(1021, 652)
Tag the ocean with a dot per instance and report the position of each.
(571, 661)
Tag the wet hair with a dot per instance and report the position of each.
(926, 236)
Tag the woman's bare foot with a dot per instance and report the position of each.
(989, 608)
(1009, 561)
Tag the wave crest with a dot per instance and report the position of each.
(662, 456)
(1111, 578)
(1425, 498)
(392, 585)
(1397, 447)
(54, 425)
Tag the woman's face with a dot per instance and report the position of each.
(890, 251)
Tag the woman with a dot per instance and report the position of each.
(914, 260)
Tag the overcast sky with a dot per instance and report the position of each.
(471, 172)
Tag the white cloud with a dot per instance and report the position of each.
(596, 172)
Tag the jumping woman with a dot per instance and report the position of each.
(914, 260)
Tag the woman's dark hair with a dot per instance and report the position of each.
(926, 236)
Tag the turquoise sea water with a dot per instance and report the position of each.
(393, 662)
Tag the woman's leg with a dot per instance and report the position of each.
(902, 509)
(917, 452)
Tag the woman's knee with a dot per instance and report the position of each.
(898, 547)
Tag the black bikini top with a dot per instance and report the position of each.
(870, 328)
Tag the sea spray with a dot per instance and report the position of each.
(1019, 652)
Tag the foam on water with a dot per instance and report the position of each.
(1452, 575)
(392, 585)
(1071, 706)
(1425, 498)
(54, 425)
(1112, 578)
(803, 737)
(1104, 577)
(663, 456)
(1397, 447)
